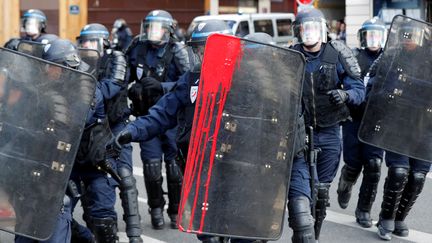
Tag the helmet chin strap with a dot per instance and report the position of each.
(311, 46)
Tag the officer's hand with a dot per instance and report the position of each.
(152, 86)
(338, 96)
(114, 146)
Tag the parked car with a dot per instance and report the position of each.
(278, 25)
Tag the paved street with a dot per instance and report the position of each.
(340, 224)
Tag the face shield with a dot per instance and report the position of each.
(31, 26)
(155, 31)
(374, 38)
(93, 44)
(312, 32)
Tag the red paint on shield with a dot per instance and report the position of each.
(222, 53)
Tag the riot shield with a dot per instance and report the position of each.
(90, 57)
(43, 108)
(399, 110)
(241, 148)
(31, 48)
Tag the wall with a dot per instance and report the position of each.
(357, 11)
(133, 11)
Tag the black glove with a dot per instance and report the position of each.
(338, 96)
(114, 146)
(151, 86)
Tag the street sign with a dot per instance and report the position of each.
(305, 2)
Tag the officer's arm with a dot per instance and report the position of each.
(180, 65)
(113, 81)
(349, 73)
(163, 115)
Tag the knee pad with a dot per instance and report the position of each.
(174, 174)
(300, 217)
(153, 170)
(374, 165)
(127, 180)
(397, 177)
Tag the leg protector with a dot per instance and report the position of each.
(347, 179)
(301, 220)
(129, 199)
(153, 182)
(414, 187)
(368, 190)
(174, 179)
(393, 188)
(322, 202)
(104, 229)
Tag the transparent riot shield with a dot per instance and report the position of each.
(241, 148)
(43, 108)
(399, 111)
(91, 58)
(31, 48)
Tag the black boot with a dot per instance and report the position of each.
(322, 202)
(393, 188)
(414, 187)
(174, 179)
(368, 190)
(153, 182)
(157, 218)
(104, 229)
(129, 199)
(301, 220)
(347, 179)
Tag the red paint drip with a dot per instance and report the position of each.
(221, 56)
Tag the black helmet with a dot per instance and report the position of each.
(93, 36)
(62, 52)
(372, 33)
(33, 22)
(310, 27)
(157, 27)
(260, 37)
(205, 28)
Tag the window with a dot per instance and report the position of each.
(243, 29)
(284, 27)
(265, 26)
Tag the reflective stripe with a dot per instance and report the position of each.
(204, 34)
(158, 18)
(89, 32)
(35, 15)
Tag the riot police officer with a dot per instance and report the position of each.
(63, 52)
(332, 80)
(33, 24)
(154, 55)
(406, 176)
(359, 156)
(111, 73)
(177, 106)
(121, 35)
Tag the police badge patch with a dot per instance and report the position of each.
(139, 72)
(193, 93)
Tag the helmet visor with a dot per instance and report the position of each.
(155, 32)
(312, 32)
(375, 38)
(31, 26)
(94, 44)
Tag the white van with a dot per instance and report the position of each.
(278, 25)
